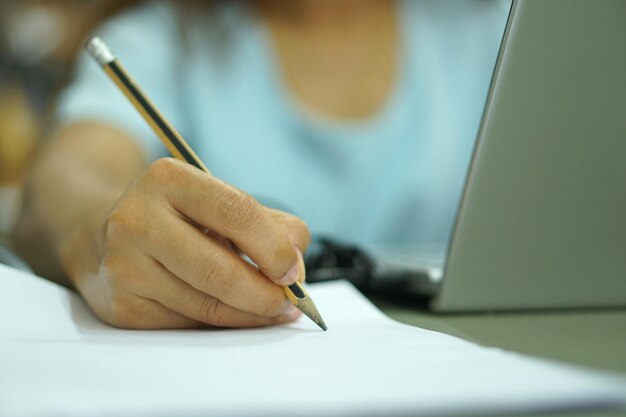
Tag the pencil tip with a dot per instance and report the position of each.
(307, 306)
(319, 321)
(321, 324)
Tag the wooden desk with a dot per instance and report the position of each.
(593, 338)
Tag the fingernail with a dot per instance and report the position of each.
(294, 315)
(301, 277)
(290, 277)
(291, 316)
(288, 316)
(289, 308)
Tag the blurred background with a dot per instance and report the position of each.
(39, 40)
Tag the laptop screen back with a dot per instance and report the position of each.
(542, 223)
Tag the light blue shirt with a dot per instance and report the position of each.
(395, 178)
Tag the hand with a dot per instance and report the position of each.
(167, 254)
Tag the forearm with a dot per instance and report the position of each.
(78, 176)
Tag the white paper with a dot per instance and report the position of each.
(57, 359)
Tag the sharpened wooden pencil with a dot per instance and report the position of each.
(177, 146)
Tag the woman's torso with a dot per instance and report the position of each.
(394, 178)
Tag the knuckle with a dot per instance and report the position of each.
(163, 171)
(122, 223)
(237, 210)
(163, 167)
(131, 218)
(114, 266)
(116, 226)
(214, 276)
(212, 311)
(111, 265)
(303, 232)
(283, 252)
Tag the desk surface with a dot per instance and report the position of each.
(593, 338)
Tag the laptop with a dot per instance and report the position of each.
(542, 219)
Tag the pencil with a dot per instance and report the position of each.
(177, 146)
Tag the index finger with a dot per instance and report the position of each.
(235, 215)
(296, 228)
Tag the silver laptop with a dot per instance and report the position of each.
(542, 221)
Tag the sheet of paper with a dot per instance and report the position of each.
(56, 358)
